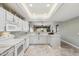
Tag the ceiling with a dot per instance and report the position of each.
(66, 12)
(39, 8)
(45, 11)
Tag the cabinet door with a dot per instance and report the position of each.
(33, 39)
(9, 17)
(18, 22)
(2, 19)
(43, 39)
(19, 25)
(15, 19)
(55, 41)
(25, 26)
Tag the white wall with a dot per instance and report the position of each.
(70, 30)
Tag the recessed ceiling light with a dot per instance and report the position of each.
(47, 5)
(30, 5)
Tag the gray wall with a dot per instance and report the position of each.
(69, 31)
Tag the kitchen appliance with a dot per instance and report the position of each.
(11, 27)
(26, 45)
(19, 48)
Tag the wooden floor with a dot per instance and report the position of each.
(68, 50)
(46, 50)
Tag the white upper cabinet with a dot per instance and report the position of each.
(2, 19)
(10, 22)
(13, 23)
(25, 26)
(18, 22)
(9, 17)
(16, 19)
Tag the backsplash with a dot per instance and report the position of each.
(18, 33)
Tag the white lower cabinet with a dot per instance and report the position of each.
(43, 39)
(55, 41)
(33, 39)
(9, 52)
(38, 39)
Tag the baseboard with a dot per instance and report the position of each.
(70, 44)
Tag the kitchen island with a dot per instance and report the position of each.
(44, 38)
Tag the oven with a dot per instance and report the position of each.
(19, 48)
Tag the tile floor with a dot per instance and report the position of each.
(46, 50)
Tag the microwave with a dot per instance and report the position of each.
(11, 27)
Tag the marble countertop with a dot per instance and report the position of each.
(7, 44)
(4, 47)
